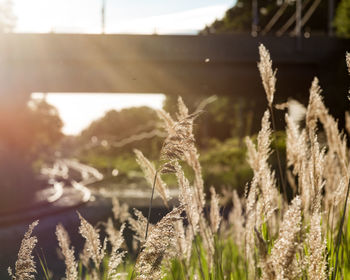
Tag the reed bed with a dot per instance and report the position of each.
(269, 233)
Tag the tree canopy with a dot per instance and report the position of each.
(116, 127)
(239, 17)
(31, 131)
(342, 19)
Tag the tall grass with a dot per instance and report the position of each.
(265, 235)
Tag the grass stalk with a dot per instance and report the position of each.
(340, 234)
(43, 265)
(284, 189)
(199, 258)
(150, 204)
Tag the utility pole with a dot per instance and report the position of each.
(103, 8)
(255, 18)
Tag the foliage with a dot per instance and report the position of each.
(44, 126)
(33, 132)
(342, 19)
(117, 126)
(239, 17)
(225, 165)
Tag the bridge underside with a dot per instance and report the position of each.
(181, 65)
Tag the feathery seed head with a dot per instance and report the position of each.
(296, 145)
(94, 248)
(115, 208)
(236, 219)
(115, 236)
(215, 216)
(252, 154)
(120, 212)
(315, 107)
(183, 110)
(347, 122)
(268, 76)
(68, 253)
(283, 252)
(316, 259)
(152, 176)
(168, 121)
(263, 176)
(187, 198)
(25, 265)
(184, 240)
(139, 225)
(264, 136)
(160, 242)
(180, 140)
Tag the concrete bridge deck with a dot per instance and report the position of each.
(213, 64)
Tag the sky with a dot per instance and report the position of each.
(94, 106)
(121, 16)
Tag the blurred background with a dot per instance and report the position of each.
(80, 81)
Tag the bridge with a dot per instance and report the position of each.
(181, 65)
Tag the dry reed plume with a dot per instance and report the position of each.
(150, 174)
(94, 249)
(160, 245)
(67, 252)
(268, 76)
(25, 266)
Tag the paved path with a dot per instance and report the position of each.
(64, 210)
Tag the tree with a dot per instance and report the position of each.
(342, 19)
(45, 127)
(118, 126)
(7, 18)
(239, 17)
(28, 134)
(31, 131)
